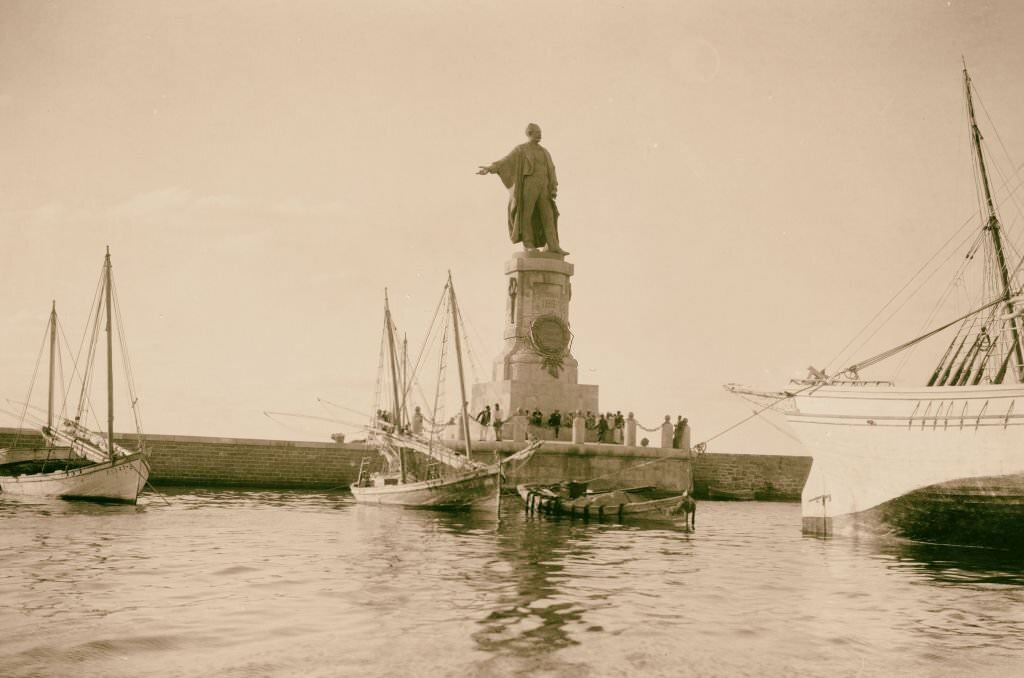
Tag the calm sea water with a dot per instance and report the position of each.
(233, 583)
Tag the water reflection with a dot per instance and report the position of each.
(11, 505)
(561, 572)
(946, 564)
(275, 583)
(530, 616)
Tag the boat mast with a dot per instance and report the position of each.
(53, 351)
(110, 358)
(396, 411)
(405, 373)
(458, 354)
(992, 226)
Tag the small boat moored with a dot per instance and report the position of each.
(721, 494)
(576, 499)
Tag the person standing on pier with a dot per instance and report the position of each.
(484, 419)
(555, 422)
(496, 421)
(602, 429)
(677, 433)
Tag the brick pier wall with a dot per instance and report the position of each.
(770, 477)
(241, 462)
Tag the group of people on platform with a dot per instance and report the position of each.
(384, 420)
(609, 426)
(491, 418)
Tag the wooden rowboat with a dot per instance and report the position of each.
(575, 499)
(721, 494)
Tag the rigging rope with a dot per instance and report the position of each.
(325, 401)
(845, 350)
(74, 373)
(1006, 151)
(375, 405)
(423, 347)
(769, 421)
(1010, 194)
(442, 383)
(469, 348)
(90, 359)
(856, 367)
(31, 385)
(126, 363)
(957, 283)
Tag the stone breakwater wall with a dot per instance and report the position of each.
(239, 462)
(242, 462)
(768, 476)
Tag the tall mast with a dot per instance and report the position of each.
(53, 351)
(458, 354)
(110, 358)
(992, 226)
(405, 372)
(396, 411)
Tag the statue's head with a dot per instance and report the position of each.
(533, 131)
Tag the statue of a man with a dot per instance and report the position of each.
(529, 174)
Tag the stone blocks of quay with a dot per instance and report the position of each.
(243, 462)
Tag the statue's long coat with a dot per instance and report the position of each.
(511, 169)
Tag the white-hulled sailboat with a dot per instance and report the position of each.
(942, 462)
(451, 480)
(77, 463)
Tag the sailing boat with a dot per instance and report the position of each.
(453, 480)
(78, 463)
(942, 462)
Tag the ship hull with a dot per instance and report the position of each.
(120, 480)
(939, 464)
(475, 489)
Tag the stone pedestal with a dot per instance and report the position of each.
(535, 369)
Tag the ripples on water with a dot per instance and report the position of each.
(231, 583)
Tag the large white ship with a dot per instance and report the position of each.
(942, 462)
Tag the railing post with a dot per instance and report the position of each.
(630, 430)
(519, 426)
(579, 429)
(666, 432)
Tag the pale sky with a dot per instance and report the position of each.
(742, 186)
